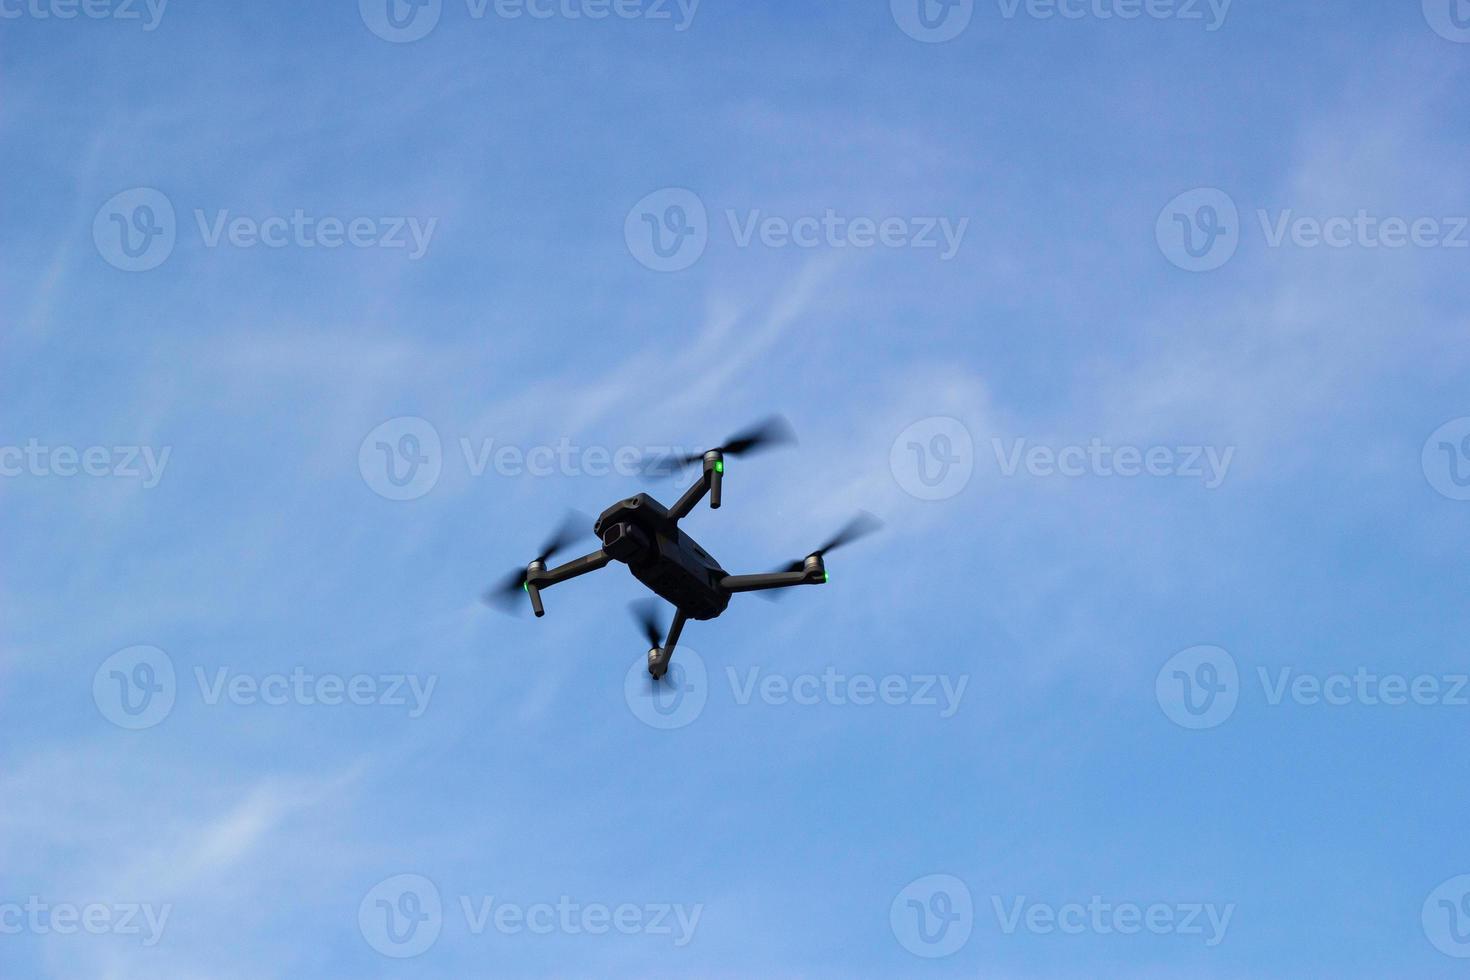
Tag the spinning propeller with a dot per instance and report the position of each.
(574, 526)
(860, 526)
(774, 431)
(646, 613)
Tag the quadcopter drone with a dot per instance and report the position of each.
(645, 535)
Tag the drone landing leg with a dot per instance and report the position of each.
(659, 657)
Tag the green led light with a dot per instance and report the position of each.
(719, 466)
(526, 586)
(826, 577)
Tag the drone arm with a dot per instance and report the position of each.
(711, 479)
(691, 498)
(577, 566)
(772, 580)
(543, 578)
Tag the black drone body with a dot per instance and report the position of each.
(645, 535)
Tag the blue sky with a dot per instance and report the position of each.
(1169, 437)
